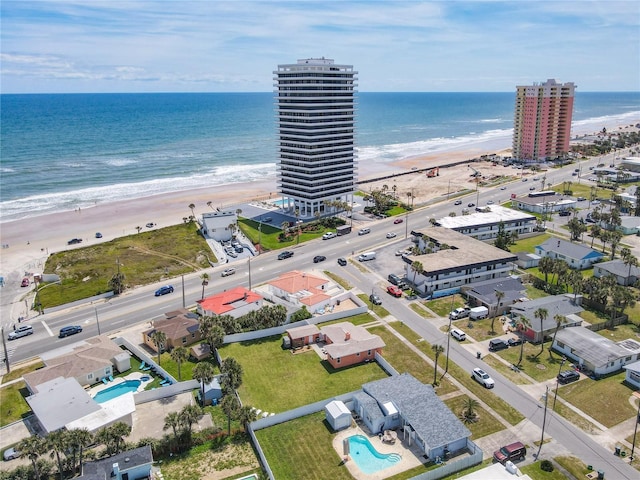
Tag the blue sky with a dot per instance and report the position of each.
(63, 46)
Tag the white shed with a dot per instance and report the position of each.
(338, 415)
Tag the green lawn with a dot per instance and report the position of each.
(528, 244)
(442, 306)
(20, 371)
(539, 368)
(485, 425)
(505, 370)
(621, 332)
(339, 280)
(479, 329)
(275, 380)
(574, 466)
(186, 368)
(417, 308)
(13, 405)
(533, 293)
(379, 310)
(534, 471)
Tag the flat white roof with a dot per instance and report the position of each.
(110, 412)
(497, 471)
(496, 215)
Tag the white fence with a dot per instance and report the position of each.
(165, 391)
(449, 468)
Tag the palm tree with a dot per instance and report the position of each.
(179, 355)
(231, 375)
(172, 421)
(32, 447)
(469, 414)
(229, 405)
(188, 416)
(209, 203)
(545, 265)
(541, 314)
(215, 338)
(437, 349)
(560, 320)
(577, 282)
(205, 282)
(79, 438)
(113, 436)
(418, 269)
(523, 325)
(499, 297)
(204, 373)
(192, 207)
(628, 259)
(58, 442)
(138, 228)
(159, 339)
(246, 415)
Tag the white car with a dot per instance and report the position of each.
(391, 235)
(483, 378)
(228, 271)
(364, 231)
(329, 235)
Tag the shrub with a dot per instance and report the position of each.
(546, 466)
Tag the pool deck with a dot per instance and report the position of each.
(411, 455)
(117, 381)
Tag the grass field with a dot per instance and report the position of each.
(420, 310)
(486, 424)
(13, 405)
(534, 471)
(143, 258)
(442, 306)
(379, 310)
(539, 368)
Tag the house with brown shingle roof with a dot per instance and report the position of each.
(181, 327)
(301, 288)
(348, 344)
(235, 302)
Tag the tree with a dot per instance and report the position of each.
(138, 228)
(437, 350)
(205, 282)
(204, 373)
(58, 442)
(231, 375)
(246, 415)
(499, 297)
(79, 439)
(113, 436)
(541, 314)
(209, 203)
(560, 320)
(577, 282)
(188, 416)
(595, 232)
(469, 414)
(192, 207)
(32, 447)
(545, 265)
(159, 339)
(614, 239)
(179, 355)
(628, 259)
(418, 269)
(172, 421)
(504, 239)
(523, 325)
(577, 228)
(229, 405)
(117, 283)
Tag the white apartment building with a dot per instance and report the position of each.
(315, 101)
(452, 259)
(484, 225)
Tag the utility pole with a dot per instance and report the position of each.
(544, 421)
(97, 321)
(635, 430)
(183, 300)
(6, 357)
(446, 365)
(564, 359)
(249, 262)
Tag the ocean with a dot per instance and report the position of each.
(63, 151)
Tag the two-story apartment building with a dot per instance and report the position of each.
(452, 260)
(484, 225)
(219, 225)
(548, 203)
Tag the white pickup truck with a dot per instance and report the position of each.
(459, 313)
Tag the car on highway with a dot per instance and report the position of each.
(397, 221)
(490, 202)
(458, 202)
(580, 199)
(391, 235)
(342, 262)
(524, 179)
(532, 188)
(375, 299)
(503, 188)
(329, 235)
(483, 378)
(319, 258)
(10, 454)
(285, 254)
(74, 241)
(164, 290)
(98, 235)
(228, 271)
(364, 231)
(71, 330)
(568, 376)
(21, 331)
(395, 291)
(471, 204)
(25, 282)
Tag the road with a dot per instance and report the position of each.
(140, 305)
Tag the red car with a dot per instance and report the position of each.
(398, 220)
(395, 291)
(25, 282)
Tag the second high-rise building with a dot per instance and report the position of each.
(315, 100)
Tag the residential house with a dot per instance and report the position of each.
(629, 225)
(527, 260)
(402, 403)
(302, 289)
(347, 344)
(453, 260)
(236, 302)
(181, 328)
(632, 375)
(561, 305)
(484, 225)
(625, 274)
(484, 294)
(577, 255)
(303, 335)
(219, 226)
(536, 203)
(128, 465)
(95, 359)
(594, 352)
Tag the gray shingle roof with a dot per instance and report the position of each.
(593, 348)
(486, 291)
(568, 249)
(420, 407)
(101, 469)
(618, 267)
(554, 304)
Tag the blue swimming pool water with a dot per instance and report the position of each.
(117, 390)
(368, 459)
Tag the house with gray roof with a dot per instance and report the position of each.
(484, 294)
(403, 403)
(632, 375)
(625, 274)
(562, 305)
(577, 255)
(594, 352)
(128, 465)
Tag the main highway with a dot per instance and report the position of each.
(140, 305)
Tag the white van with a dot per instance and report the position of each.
(458, 334)
(367, 256)
(364, 231)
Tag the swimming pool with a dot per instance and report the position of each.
(368, 459)
(117, 390)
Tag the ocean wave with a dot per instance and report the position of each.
(120, 162)
(595, 124)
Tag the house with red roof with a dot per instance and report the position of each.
(302, 288)
(235, 302)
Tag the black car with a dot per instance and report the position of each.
(565, 213)
(512, 342)
(74, 241)
(72, 330)
(319, 258)
(471, 205)
(568, 376)
(497, 344)
(342, 262)
(285, 254)
(375, 299)
(164, 290)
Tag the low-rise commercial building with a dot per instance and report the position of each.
(484, 225)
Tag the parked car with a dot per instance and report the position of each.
(267, 219)
(565, 213)
(514, 451)
(21, 331)
(399, 253)
(164, 290)
(483, 378)
(397, 221)
(74, 241)
(10, 454)
(532, 188)
(395, 291)
(391, 235)
(228, 271)
(458, 334)
(375, 299)
(25, 282)
(471, 204)
(458, 202)
(319, 258)
(394, 279)
(568, 376)
(342, 262)
(514, 341)
(329, 235)
(581, 199)
(524, 179)
(98, 235)
(150, 225)
(497, 344)
(364, 231)
(490, 202)
(72, 330)
(503, 188)
(285, 254)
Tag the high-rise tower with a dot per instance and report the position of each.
(542, 120)
(316, 108)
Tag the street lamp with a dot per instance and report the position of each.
(97, 321)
